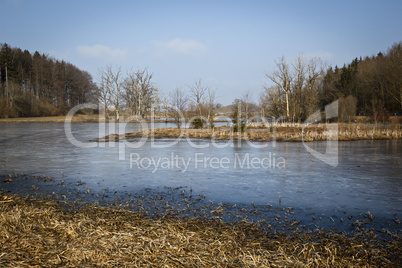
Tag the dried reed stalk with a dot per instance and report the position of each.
(282, 132)
(38, 232)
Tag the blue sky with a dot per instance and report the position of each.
(230, 45)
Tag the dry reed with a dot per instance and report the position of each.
(280, 132)
(40, 232)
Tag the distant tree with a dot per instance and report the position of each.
(179, 102)
(246, 102)
(140, 92)
(102, 95)
(347, 109)
(239, 123)
(374, 81)
(392, 74)
(380, 113)
(197, 96)
(281, 77)
(166, 106)
(112, 82)
(329, 91)
(236, 101)
(198, 92)
(272, 102)
(310, 101)
(39, 85)
(211, 106)
(295, 90)
(298, 79)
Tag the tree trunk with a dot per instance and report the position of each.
(6, 85)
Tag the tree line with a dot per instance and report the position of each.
(371, 86)
(375, 82)
(197, 102)
(136, 94)
(39, 85)
(134, 91)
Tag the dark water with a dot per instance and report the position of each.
(366, 178)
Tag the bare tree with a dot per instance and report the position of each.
(246, 99)
(347, 108)
(272, 102)
(297, 87)
(102, 95)
(165, 106)
(262, 104)
(392, 74)
(314, 82)
(132, 93)
(148, 92)
(210, 104)
(197, 96)
(179, 103)
(140, 93)
(155, 102)
(112, 84)
(282, 79)
(239, 124)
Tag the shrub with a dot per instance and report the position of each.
(197, 123)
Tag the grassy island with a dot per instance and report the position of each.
(280, 132)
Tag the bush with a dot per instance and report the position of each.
(242, 127)
(347, 109)
(197, 123)
(380, 113)
(86, 111)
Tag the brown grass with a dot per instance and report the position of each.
(52, 119)
(39, 232)
(284, 132)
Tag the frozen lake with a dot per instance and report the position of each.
(367, 177)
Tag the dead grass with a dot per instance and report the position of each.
(38, 232)
(52, 119)
(283, 132)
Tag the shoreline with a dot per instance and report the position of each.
(41, 231)
(184, 202)
(62, 119)
(50, 221)
(292, 132)
(80, 118)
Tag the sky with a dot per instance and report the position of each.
(229, 45)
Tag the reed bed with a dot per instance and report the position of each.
(279, 132)
(41, 232)
(54, 119)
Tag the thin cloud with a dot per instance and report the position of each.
(101, 52)
(181, 47)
